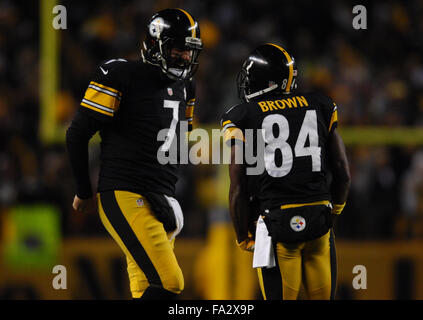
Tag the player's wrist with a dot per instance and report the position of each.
(247, 244)
(337, 208)
(84, 196)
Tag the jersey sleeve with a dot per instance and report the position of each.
(232, 124)
(104, 93)
(333, 123)
(189, 111)
(330, 112)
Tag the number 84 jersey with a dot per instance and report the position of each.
(294, 131)
(133, 101)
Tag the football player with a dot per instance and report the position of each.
(305, 180)
(129, 102)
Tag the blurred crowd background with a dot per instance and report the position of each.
(375, 76)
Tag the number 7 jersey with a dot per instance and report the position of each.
(294, 129)
(134, 101)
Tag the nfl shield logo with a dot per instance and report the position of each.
(170, 91)
(140, 202)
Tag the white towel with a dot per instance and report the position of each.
(178, 215)
(263, 252)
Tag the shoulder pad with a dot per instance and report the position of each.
(323, 99)
(112, 62)
(235, 114)
(230, 109)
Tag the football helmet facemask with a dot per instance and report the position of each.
(269, 68)
(173, 43)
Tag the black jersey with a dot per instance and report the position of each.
(134, 101)
(295, 129)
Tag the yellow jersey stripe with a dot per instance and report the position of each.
(105, 87)
(96, 109)
(102, 99)
(296, 205)
(189, 112)
(191, 21)
(333, 119)
(290, 65)
(226, 122)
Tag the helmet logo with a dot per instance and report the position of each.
(156, 27)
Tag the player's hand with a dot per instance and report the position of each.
(83, 205)
(247, 244)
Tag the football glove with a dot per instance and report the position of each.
(247, 244)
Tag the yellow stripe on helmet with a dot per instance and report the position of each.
(191, 21)
(290, 64)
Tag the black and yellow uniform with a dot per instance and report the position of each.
(295, 129)
(311, 264)
(129, 219)
(144, 102)
(297, 125)
(138, 108)
(129, 103)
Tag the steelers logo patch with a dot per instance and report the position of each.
(156, 27)
(297, 223)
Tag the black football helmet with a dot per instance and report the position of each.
(269, 68)
(168, 29)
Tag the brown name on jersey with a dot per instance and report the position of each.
(293, 102)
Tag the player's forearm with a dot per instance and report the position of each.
(77, 137)
(341, 181)
(238, 207)
(340, 169)
(78, 156)
(340, 188)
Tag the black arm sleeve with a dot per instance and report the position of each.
(78, 135)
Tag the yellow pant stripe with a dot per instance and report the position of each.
(260, 277)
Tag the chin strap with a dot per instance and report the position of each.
(172, 73)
